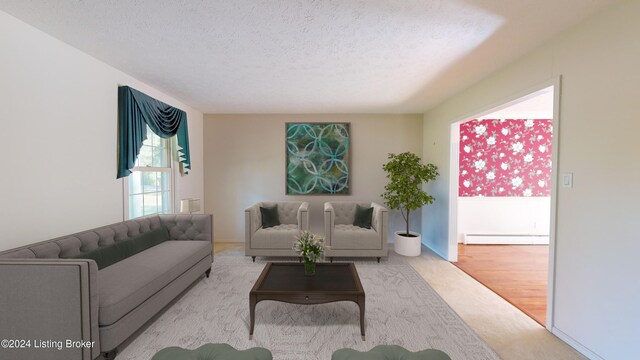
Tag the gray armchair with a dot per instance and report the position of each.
(277, 240)
(345, 239)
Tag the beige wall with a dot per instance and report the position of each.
(245, 163)
(59, 123)
(597, 291)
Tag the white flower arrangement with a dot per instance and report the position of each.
(309, 246)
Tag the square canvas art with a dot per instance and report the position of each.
(318, 158)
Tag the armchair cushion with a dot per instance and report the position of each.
(345, 234)
(355, 237)
(277, 240)
(363, 216)
(276, 237)
(269, 215)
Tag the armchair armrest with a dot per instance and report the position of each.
(252, 223)
(253, 218)
(329, 219)
(303, 217)
(50, 299)
(380, 221)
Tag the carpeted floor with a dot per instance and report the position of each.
(401, 309)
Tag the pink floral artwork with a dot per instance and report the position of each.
(505, 157)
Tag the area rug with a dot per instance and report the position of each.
(401, 309)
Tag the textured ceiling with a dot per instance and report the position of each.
(306, 56)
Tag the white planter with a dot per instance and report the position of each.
(407, 246)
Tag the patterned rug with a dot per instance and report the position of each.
(401, 309)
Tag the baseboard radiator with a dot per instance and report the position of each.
(505, 239)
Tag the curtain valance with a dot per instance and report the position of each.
(137, 110)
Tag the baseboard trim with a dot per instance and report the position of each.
(575, 344)
(505, 239)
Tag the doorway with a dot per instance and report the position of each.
(502, 199)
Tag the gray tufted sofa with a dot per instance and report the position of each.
(277, 240)
(46, 294)
(345, 239)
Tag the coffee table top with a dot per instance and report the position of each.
(290, 277)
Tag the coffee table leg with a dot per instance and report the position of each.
(361, 305)
(252, 314)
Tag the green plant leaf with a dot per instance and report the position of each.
(406, 174)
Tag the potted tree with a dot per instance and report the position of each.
(406, 174)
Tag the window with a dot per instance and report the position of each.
(149, 187)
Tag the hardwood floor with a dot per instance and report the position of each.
(518, 273)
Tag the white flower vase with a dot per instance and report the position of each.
(408, 245)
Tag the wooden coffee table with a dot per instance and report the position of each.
(287, 282)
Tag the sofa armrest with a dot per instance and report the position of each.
(303, 217)
(329, 220)
(188, 226)
(49, 299)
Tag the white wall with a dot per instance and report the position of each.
(504, 216)
(245, 164)
(596, 287)
(59, 124)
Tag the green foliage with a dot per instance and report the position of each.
(406, 174)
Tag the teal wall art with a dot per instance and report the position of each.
(318, 158)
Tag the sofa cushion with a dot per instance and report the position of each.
(150, 239)
(126, 284)
(269, 216)
(347, 237)
(111, 254)
(70, 246)
(277, 237)
(362, 217)
(19, 254)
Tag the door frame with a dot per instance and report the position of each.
(556, 83)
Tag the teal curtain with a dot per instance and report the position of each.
(137, 110)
